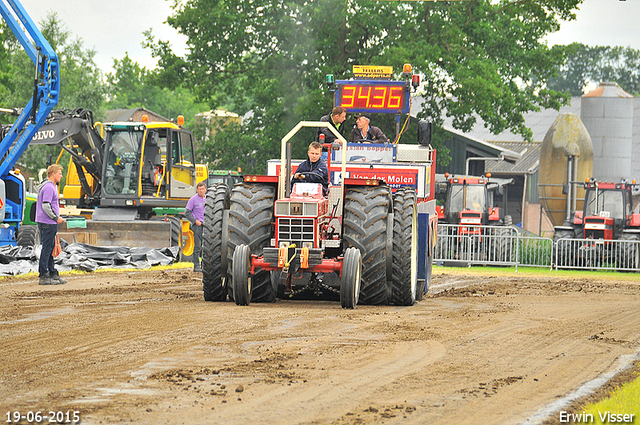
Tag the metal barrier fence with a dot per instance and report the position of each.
(505, 246)
(597, 254)
(467, 245)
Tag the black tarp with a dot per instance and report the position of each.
(15, 260)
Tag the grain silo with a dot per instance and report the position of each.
(607, 113)
(566, 155)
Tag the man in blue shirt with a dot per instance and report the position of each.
(314, 169)
(195, 214)
(48, 218)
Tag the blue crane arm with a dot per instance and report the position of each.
(46, 84)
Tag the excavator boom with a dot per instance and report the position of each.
(46, 91)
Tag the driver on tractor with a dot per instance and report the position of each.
(314, 169)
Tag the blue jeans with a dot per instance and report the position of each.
(48, 237)
(197, 239)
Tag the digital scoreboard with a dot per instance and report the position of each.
(373, 96)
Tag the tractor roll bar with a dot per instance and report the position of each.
(286, 164)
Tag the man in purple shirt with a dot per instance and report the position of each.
(195, 214)
(48, 218)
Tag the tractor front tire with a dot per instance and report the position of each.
(242, 289)
(250, 223)
(350, 279)
(500, 244)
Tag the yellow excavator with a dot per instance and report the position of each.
(132, 179)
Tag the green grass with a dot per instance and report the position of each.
(530, 252)
(537, 272)
(625, 399)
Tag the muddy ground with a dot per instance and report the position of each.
(144, 348)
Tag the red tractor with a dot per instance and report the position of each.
(607, 215)
(469, 209)
(267, 238)
(468, 201)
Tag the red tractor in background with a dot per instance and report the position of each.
(469, 202)
(469, 222)
(607, 215)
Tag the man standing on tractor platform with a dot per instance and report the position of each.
(314, 169)
(364, 132)
(336, 118)
(195, 214)
(48, 218)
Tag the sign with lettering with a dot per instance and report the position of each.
(372, 96)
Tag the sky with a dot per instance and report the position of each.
(114, 27)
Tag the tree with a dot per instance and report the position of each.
(132, 86)
(591, 65)
(7, 41)
(81, 79)
(480, 58)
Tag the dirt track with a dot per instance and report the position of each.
(144, 348)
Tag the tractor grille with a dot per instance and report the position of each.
(593, 234)
(470, 215)
(296, 230)
(596, 220)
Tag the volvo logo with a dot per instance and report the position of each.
(44, 135)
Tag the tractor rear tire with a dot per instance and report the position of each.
(351, 276)
(564, 255)
(365, 228)
(214, 249)
(242, 289)
(629, 253)
(500, 245)
(28, 235)
(404, 277)
(250, 223)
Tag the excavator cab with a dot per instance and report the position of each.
(122, 166)
(147, 163)
(152, 164)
